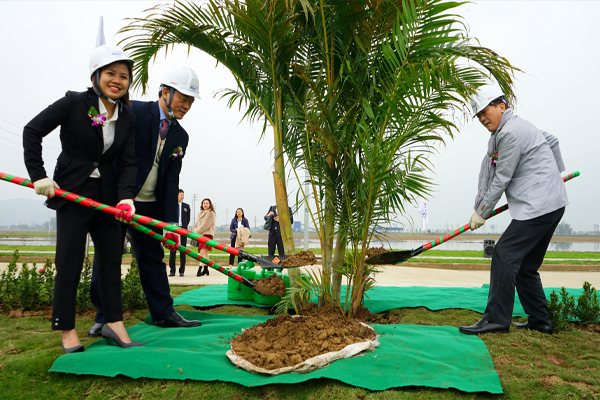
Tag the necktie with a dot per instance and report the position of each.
(163, 129)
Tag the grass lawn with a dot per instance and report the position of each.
(531, 365)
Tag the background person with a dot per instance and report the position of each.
(183, 220)
(160, 145)
(205, 226)
(238, 222)
(524, 163)
(96, 130)
(275, 232)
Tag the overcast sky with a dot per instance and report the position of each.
(46, 47)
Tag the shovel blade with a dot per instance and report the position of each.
(392, 257)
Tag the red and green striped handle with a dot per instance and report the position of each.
(84, 201)
(466, 227)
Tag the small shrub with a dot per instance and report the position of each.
(568, 305)
(588, 309)
(555, 309)
(28, 284)
(8, 287)
(83, 302)
(133, 297)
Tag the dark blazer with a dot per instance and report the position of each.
(234, 224)
(82, 146)
(275, 224)
(186, 215)
(169, 167)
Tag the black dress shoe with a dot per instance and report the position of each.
(95, 330)
(171, 273)
(540, 328)
(181, 274)
(175, 320)
(483, 326)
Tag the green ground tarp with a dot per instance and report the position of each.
(382, 298)
(409, 355)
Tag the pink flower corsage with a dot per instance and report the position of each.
(97, 118)
(177, 152)
(494, 158)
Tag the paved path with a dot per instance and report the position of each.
(408, 276)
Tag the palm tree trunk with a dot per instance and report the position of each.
(338, 260)
(281, 198)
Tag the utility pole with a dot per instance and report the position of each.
(194, 198)
(255, 222)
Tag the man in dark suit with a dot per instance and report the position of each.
(183, 220)
(275, 232)
(160, 145)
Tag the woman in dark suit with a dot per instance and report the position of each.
(97, 161)
(238, 221)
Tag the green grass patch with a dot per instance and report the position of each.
(531, 365)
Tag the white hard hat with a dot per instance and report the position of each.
(105, 55)
(485, 95)
(183, 79)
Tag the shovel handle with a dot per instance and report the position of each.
(466, 227)
(146, 221)
(84, 201)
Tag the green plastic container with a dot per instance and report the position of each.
(237, 290)
(267, 300)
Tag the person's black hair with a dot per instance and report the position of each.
(181, 191)
(239, 208)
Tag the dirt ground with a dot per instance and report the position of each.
(285, 341)
(304, 257)
(271, 286)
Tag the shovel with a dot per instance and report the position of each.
(140, 219)
(398, 257)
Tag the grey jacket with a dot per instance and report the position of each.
(528, 171)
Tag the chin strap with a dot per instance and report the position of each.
(111, 101)
(171, 93)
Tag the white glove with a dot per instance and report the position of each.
(477, 221)
(45, 187)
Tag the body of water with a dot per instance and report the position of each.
(455, 244)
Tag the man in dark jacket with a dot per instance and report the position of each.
(160, 145)
(275, 232)
(183, 220)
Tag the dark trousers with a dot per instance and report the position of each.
(74, 222)
(182, 256)
(275, 240)
(149, 255)
(517, 257)
(231, 256)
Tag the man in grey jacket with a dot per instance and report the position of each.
(524, 163)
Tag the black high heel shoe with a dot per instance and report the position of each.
(200, 271)
(75, 349)
(108, 333)
(206, 270)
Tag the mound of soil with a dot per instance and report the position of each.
(285, 341)
(363, 314)
(305, 257)
(271, 286)
(373, 251)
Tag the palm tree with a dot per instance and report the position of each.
(382, 90)
(256, 40)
